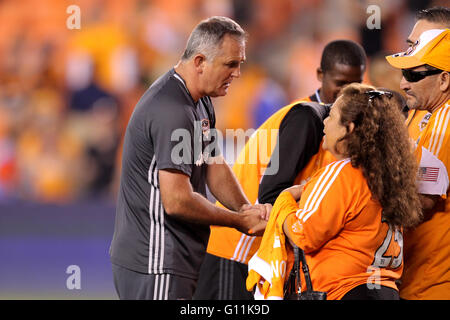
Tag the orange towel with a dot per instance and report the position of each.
(268, 268)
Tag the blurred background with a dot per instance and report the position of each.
(66, 96)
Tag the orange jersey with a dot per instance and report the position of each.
(416, 122)
(427, 247)
(340, 228)
(228, 242)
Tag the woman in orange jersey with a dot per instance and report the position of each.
(352, 213)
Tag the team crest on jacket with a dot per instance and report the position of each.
(205, 129)
(202, 139)
(424, 121)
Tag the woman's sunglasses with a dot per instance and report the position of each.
(378, 93)
(414, 76)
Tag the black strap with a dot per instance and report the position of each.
(320, 109)
(305, 269)
(296, 268)
(293, 290)
(293, 284)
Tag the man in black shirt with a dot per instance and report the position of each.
(169, 156)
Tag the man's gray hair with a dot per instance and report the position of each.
(208, 35)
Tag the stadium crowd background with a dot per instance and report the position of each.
(66, 95)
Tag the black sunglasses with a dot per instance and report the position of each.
(378, 93)
(415, 76)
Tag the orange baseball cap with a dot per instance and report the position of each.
(432, 48)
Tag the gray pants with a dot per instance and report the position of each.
(132, 285)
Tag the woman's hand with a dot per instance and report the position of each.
(295, 191)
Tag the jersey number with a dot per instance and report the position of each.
(385, 254)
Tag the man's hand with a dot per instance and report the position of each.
(263, 208)
(251, 222)
(258, 229)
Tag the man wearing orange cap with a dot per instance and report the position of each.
(426, 82)
(427, 19)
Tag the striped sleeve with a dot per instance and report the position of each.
(440, 133)
(323, 207)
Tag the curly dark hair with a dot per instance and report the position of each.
(380, 146)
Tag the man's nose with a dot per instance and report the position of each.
(236, 72)
(404, 85)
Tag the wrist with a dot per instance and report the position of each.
(239, 222)
(243, 207)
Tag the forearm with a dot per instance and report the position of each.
(225, 187)
(193, 207)
(182, 202)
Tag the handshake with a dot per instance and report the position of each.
(254, 218)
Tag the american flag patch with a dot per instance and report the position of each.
(428, 174)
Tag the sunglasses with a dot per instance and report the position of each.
(378, 93)
(415, 76)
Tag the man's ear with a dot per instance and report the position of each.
(444, 81)
(319, 74)
(199, 62)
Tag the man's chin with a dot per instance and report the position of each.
(412, 103)
(219, 93)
